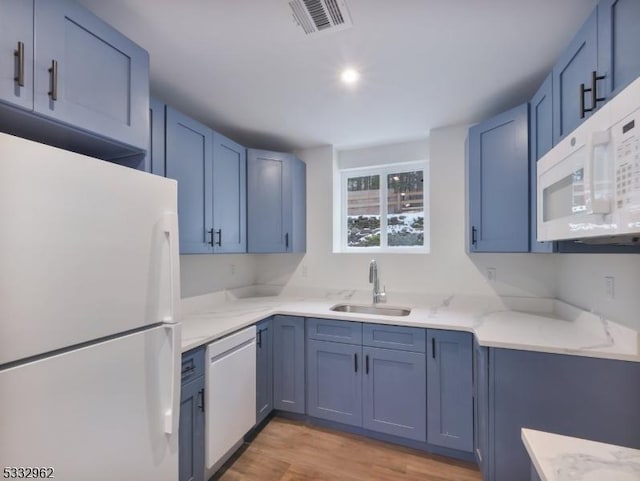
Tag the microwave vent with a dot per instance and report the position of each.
(321, 16)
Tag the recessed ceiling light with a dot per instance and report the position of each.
(350, 76)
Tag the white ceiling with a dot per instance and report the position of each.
(245, 68)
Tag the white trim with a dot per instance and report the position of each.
(340, 215)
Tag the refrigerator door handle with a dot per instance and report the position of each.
(171, 414)
(169, 228)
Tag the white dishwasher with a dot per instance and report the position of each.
(230, 392)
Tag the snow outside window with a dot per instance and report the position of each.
(384, 209)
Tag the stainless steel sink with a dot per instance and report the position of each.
(376, 310)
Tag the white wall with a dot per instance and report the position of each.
(201, 274)
(447, 269)
(581, 282)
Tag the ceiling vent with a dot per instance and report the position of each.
(320, 16)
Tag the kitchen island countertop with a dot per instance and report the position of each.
(563, 458)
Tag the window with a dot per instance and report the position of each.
(384, 209)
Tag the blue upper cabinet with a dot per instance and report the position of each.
(395, 392)
(229, 195)
(154, 161)
(16, 59)
(450, 389)
(540, 142)
(268, 201)
(70, 80)
(618, 40)
(89, 75)
(498, 179)
(190, 162)
(298, 241)
(575, 68)
(276, 209)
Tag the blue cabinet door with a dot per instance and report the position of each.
(450, 389)
(498, 180)
(298, 241)
(16, 57)
(288, 364)
(574, 68)
(618, 39)
(269, 218)
(576, 396)
(229, 195)
(191, 435)
(264, 370)
(540, 142)
(395, 392)
(334, 381)
(89, 75)
(189, 160)
(154, 161)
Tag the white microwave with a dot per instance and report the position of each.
(589, 183)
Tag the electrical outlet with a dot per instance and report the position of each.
(305, 271)
(610, 287)
(233, 269)
(491, 274)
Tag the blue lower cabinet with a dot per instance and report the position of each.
(191, 438)
(576, 396)
(481, 407)
(264, 370)
(288, 364)
(450, 389)
(395, 392)
(334, 381)
(534, 474)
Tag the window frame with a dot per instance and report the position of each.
(383, 171)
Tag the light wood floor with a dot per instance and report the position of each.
(291, 451)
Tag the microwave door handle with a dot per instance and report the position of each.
(595, 205)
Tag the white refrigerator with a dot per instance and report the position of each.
(89, 340)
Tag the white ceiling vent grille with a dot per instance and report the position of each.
(319, 16)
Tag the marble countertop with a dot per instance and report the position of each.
(533, 324)
(563, 458)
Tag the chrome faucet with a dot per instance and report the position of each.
(373, 279)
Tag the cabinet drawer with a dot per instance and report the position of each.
(192, 364)
(395, 337)
(346, 332)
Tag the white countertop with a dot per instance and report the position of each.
(563, 458)
(531, 324)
